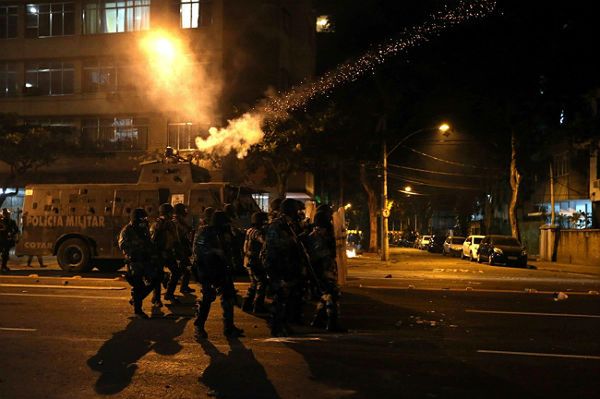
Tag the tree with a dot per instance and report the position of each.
(25, 148)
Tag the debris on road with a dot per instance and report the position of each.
(388, 276)
(531, 290)
(560, 296)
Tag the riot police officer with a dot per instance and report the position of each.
(8, 237)
(322, 250)
(184, 249)
(141, 255)
(164, 235)
(283, 259)
(212, 267)
(255, 239)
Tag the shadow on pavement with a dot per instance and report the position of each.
(381, 358)
(236, 374)
(116, 359)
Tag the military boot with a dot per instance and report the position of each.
(247, 304)
(259, 305)
(318, 320)
(202, 310)
(333, 322)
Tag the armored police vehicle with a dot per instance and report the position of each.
(80, 223)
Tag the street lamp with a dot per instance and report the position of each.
(444, 128)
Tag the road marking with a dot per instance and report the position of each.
(18, 329)
(589, 316)
(288, 339)
(589, 357)
(465, 290)
(119, 298)
(72, 287)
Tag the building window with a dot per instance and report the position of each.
(52, 19)
(561, 165)
(324, 24)
(182, 136)
(8, 21)
(103, 75)
(114, 134)
(262, 200)
(116, 16)
(8, 79)
(195, 13)
(49, 78)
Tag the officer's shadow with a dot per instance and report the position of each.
(116, 359)
(236, 374)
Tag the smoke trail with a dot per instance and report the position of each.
(234, 137)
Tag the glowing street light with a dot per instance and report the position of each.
(444, 128)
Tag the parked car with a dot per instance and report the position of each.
(436, 244)
(502, 249)
(424, 242)
(470, 247)
(453, 245)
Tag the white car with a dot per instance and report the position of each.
(424, 242)
(470, 247)
(453, 246)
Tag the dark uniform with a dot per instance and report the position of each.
(212, 267)
(185, 233)
(253, 244)
(322, 250)
(283, 259)
(8, 237)
(164, 236)
(141, 255)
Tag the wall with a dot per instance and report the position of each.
(579, 247)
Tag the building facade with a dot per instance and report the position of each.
(80, 64)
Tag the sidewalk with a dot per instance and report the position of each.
(409, 260)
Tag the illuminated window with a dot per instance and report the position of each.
(115, 134)
(195, 13)
(324, 24)
(262, 200)
(9, 16)
(8, 79)
(561, 165)
(49, 78)
(116, 16)
(182, 135)
(106, 75)
(50, 19)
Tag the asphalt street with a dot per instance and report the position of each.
(420, 326)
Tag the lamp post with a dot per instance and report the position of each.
(385, 205)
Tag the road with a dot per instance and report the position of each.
(427, 331)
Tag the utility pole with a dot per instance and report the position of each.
(552, 218)
(385, 213)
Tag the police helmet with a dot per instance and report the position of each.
(258, 218)
(324, 208)
(138, 214)
(276, 204)
(289, 207)
(322, 219)
(180, 209)
(165, 209)
(219, 219)
(209, 211)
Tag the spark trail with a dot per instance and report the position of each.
(232, 138)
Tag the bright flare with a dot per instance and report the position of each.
(444, 127)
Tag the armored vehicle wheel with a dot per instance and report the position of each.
(109, 266)
(74, 255)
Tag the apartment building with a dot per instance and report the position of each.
(77, 63)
